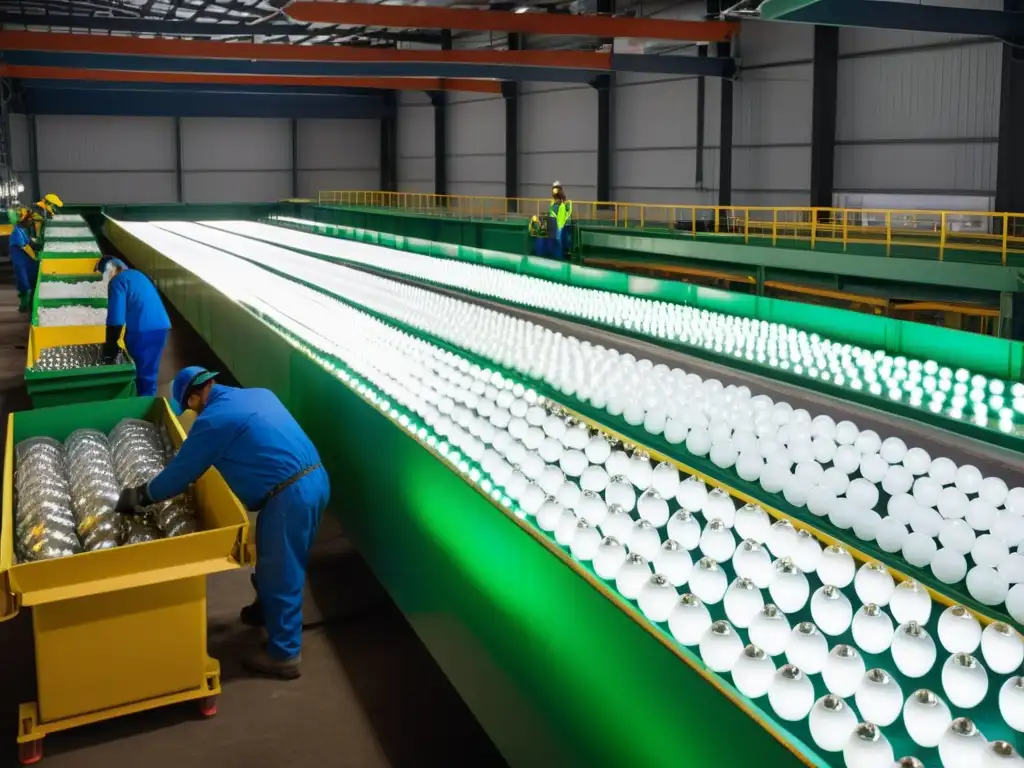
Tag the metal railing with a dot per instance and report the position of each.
(956, 234)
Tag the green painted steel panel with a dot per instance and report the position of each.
(556, 672)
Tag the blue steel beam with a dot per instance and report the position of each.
(886, 14)
(675, 65)
(55, 101)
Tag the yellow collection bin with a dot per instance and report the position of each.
(76, 266)
(101, 382)
(141, 606)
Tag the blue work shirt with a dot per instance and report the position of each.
(249, 437)
(133, 301)
(18, 239)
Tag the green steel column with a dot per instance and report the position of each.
(825, 93)
(604, 119)
(510, 90)
(1010, 159)
(698, 166)
(33, 158)
(725, 139)
(295, 157)
(389, 145)
(440, 101)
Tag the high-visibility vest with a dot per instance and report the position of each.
(560, 212)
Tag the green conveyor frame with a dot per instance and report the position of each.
(557, 673)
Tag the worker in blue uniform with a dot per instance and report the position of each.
(275, 470)
(134, 307)
(23, 258)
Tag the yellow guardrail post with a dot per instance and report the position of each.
(888, 233)
(693, 220)
(775, 225)
(1006, 236)
(746, 225)
(846, 229)
(942, 236)
(643, 215)
(814, 227)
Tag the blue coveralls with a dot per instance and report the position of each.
(26, 269)
(252, 440)
(133, 301)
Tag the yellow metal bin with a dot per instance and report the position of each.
(143, 606)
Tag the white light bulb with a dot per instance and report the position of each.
(868, 747)
(594, 478)
(632, 575)
(791, 694)
(753, 672)
(640, 470)
(1001, 754)
(565, 528)
(831, 722)
(608, 559)
(618, 524)
(752, 561)
(913, 649)
(926, 717)
(872, 630)
(597, 450)
(874, 584)
(959, 630)
(962, 745)
(752, 522)
(708, 581)
(878, 697)
(1002, 647)
(573, 463)
(948, 566)
(684, 528)
(806, 552)
(742, 602)
(911, 602)
(644, 539)
(770, 630)
(964, 680)
(831, 610)
(665, 480)
(789, 587)
(548, 513)
(620, 491)
(689, 620)
(585, 542)
(1011, 702)
(592, 508)
(781, 538)
(720, 647)
(836, 567)
(843, 670)
(692, 494)
(717, 541)
(657, 598)
(807, 648)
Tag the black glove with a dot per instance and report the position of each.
(110, 346)
(132, 500)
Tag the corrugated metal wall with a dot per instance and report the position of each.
(415, 142)
(338, 154)
(558, 140)
(772, 115)
(917, 113)
(89, 159)
(107, 159)
(476, 145)
(654, 129)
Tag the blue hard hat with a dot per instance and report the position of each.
(104, 260)
(187, 379)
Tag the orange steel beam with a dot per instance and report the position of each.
(826, 293)
(212, 49)
(432, 17)
(941, 306)
(199, 78)
(625, 266)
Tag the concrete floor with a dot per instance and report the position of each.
(370, 694)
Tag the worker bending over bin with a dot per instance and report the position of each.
(134, 308)
(23, 257)
(42, 210)
(275, 470)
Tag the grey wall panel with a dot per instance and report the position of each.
(68, 144)
(476, 145)
(918, 167)
(415, 143)
(312, 182)
(235, 144)
(766, 43)
(558, 140)
(111, 187)
(913, 119)
(236, 186)
(20, 161)
(350, 145)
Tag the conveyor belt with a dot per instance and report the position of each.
(991, 460)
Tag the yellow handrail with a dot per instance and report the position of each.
(892, 232)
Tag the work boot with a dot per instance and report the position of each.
(252, 615)
(23, 301)
(260, 663)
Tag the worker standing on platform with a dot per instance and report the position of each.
(44, 209)
(560, 211)
(275, 470)
(23, 257)
(134, 308)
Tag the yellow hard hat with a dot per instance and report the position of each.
(54, 200)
